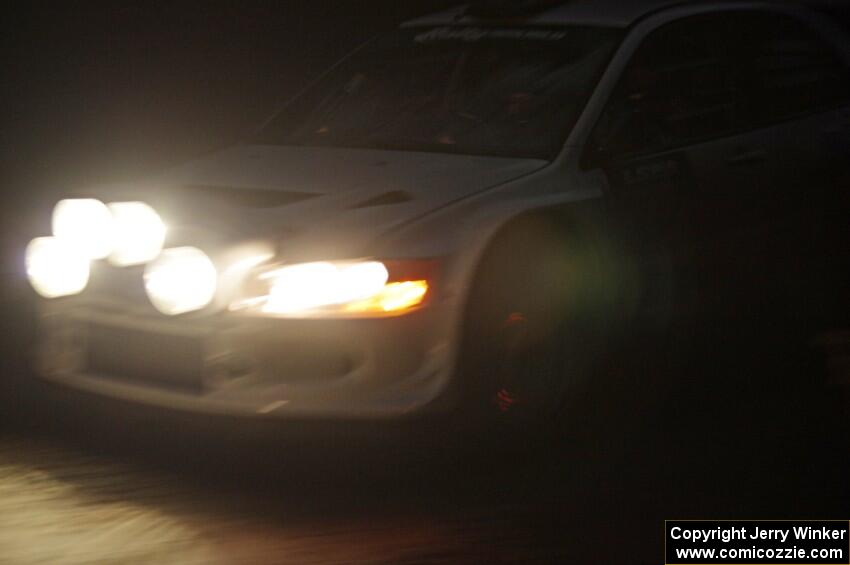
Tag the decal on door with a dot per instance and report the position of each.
(669, 170)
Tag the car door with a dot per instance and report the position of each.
(677, 162)
(795, 88)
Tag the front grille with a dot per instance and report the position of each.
(172, 361)
(119, 287)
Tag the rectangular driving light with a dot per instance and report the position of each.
(343, 289)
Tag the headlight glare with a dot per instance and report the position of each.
(56, 267)
(139, 233)
(332, 289)
(85, 223)
(181, 279)
(307, 286)
(393, 297)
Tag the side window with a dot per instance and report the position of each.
(785, 70)
(678, 88)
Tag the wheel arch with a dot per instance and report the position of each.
(572, 220)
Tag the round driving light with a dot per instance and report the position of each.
(181, 279)
(85, 223)
(56, 267)
(138, 233)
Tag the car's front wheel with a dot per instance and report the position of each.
(535, 325)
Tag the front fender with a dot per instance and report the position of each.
(460, 236)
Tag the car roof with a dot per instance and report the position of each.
(611, 13)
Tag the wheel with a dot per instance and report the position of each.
(535, 325)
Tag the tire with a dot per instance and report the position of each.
(535, 324)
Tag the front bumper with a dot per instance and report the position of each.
(224, 363)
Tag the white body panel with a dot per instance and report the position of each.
(450, 207)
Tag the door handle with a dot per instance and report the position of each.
(747, 157)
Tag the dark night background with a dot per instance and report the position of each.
(95, 92)
(104, 91)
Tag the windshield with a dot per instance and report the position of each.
(481, 91)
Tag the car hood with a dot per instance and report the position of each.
(329, 197)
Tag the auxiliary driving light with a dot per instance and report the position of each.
(56, 267)
(181, 279)
(138, 233)
(85, 223)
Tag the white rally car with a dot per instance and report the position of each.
(459, 215)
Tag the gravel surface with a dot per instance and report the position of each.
(60, 504)
(91, 481)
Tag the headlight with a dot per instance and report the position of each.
(86, 224)
(299, 288)
(138, 233)
(56, 267)
(333, 289)
(182, 279)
